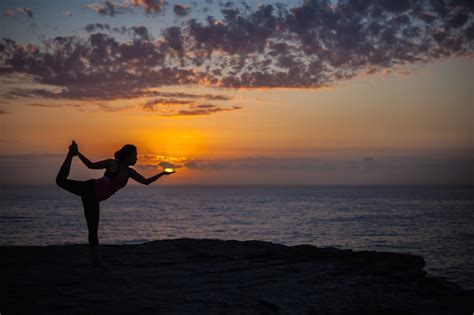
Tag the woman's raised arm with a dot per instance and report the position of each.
(74, 150)
(95, 165)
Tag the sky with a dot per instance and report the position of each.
(356, 92)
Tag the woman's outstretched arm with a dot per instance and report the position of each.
(146, 181)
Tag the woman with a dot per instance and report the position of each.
(93, 191)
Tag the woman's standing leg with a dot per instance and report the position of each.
(92, 212)
(85, 189)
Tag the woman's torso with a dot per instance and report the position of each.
(112, 181)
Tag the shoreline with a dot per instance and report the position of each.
(213, 276)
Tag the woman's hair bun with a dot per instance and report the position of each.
(126, 151)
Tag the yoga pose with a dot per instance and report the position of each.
(93, 191)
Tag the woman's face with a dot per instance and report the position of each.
(133, 158)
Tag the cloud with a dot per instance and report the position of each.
(150, 6)
(318, 43)
(24, 11)
(154, 103)
(201, 110)
(9, 13)
(173, 40)
(310, 45)
(105, 95)
(215, 97)
(366, 164)
(174, 107)
(97, 27)
(367, 170)
(181, 10)
(41, 168)
(236, 34)
(109, 108)
(272, 164)
(44, 105)
(169, 165)
(109, 8)
(112, 8)
(155, 162)
(184, 104)
(88, 68)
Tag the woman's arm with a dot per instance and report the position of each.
(142, 180)
(95, 165)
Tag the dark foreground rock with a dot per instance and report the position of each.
(189, 276)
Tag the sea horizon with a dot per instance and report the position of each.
(271, 185)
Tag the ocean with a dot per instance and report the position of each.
(436, 222)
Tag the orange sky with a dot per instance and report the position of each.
(427, 112)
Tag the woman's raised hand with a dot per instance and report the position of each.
(73, 149)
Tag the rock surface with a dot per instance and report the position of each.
(190, 276)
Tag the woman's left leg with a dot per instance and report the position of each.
(92, 212)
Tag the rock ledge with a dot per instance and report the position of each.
(203, 276)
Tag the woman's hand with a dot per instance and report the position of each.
(73, 149)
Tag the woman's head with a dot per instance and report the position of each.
(128, 154)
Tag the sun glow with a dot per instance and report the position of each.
(172, 145)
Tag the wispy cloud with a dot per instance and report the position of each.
(109, 8)
(44, 105)
(150, 6)
(9, 13)
(112, 8)
(200, 110)
(24, 11)
(160, 102)
(380, 170)
(187, 105)
(154, 162)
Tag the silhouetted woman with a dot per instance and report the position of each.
(93, 191)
